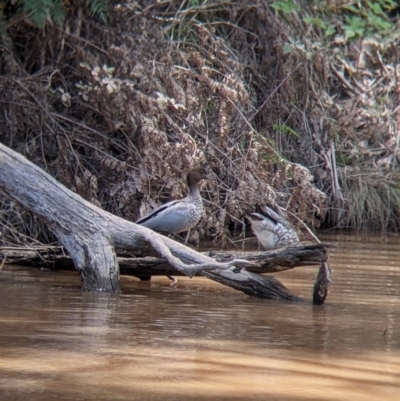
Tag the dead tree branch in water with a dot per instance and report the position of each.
(92, 237)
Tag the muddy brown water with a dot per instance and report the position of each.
(201, 341)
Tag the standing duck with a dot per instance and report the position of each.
(272, 230)
(179, 215)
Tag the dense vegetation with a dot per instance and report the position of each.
(289, 102)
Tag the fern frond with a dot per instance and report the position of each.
(57, 12)
(36, 10)
(40, 10)
(99, 8)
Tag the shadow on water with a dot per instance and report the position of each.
(201, 341)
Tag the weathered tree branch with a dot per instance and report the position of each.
(263, 262)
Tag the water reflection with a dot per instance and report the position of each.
(201, 341)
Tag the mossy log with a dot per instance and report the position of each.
(92, 236)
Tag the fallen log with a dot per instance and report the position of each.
(92, 237)
(145, 267)
(248, 281)
(263, 262)
(47, 256)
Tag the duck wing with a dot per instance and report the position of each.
(272, 230)
(172, 217)
(156, 212)
(274, 217)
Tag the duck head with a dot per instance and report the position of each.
(195, 175)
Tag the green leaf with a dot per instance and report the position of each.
(286, 6)
(287, 48)
(57, 12)
(99, 8)
(378, 22)
(356, 22)
(351, 8)
(318, 22)
(376, 8)
(388, 4)
(330, 30)
(355, 27)
(285, 129)
(36, 10)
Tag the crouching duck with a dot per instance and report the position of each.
(179, 215)
(272, 230)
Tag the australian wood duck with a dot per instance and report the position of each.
(179, 215)
(272, 230)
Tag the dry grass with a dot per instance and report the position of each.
(371, 202)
